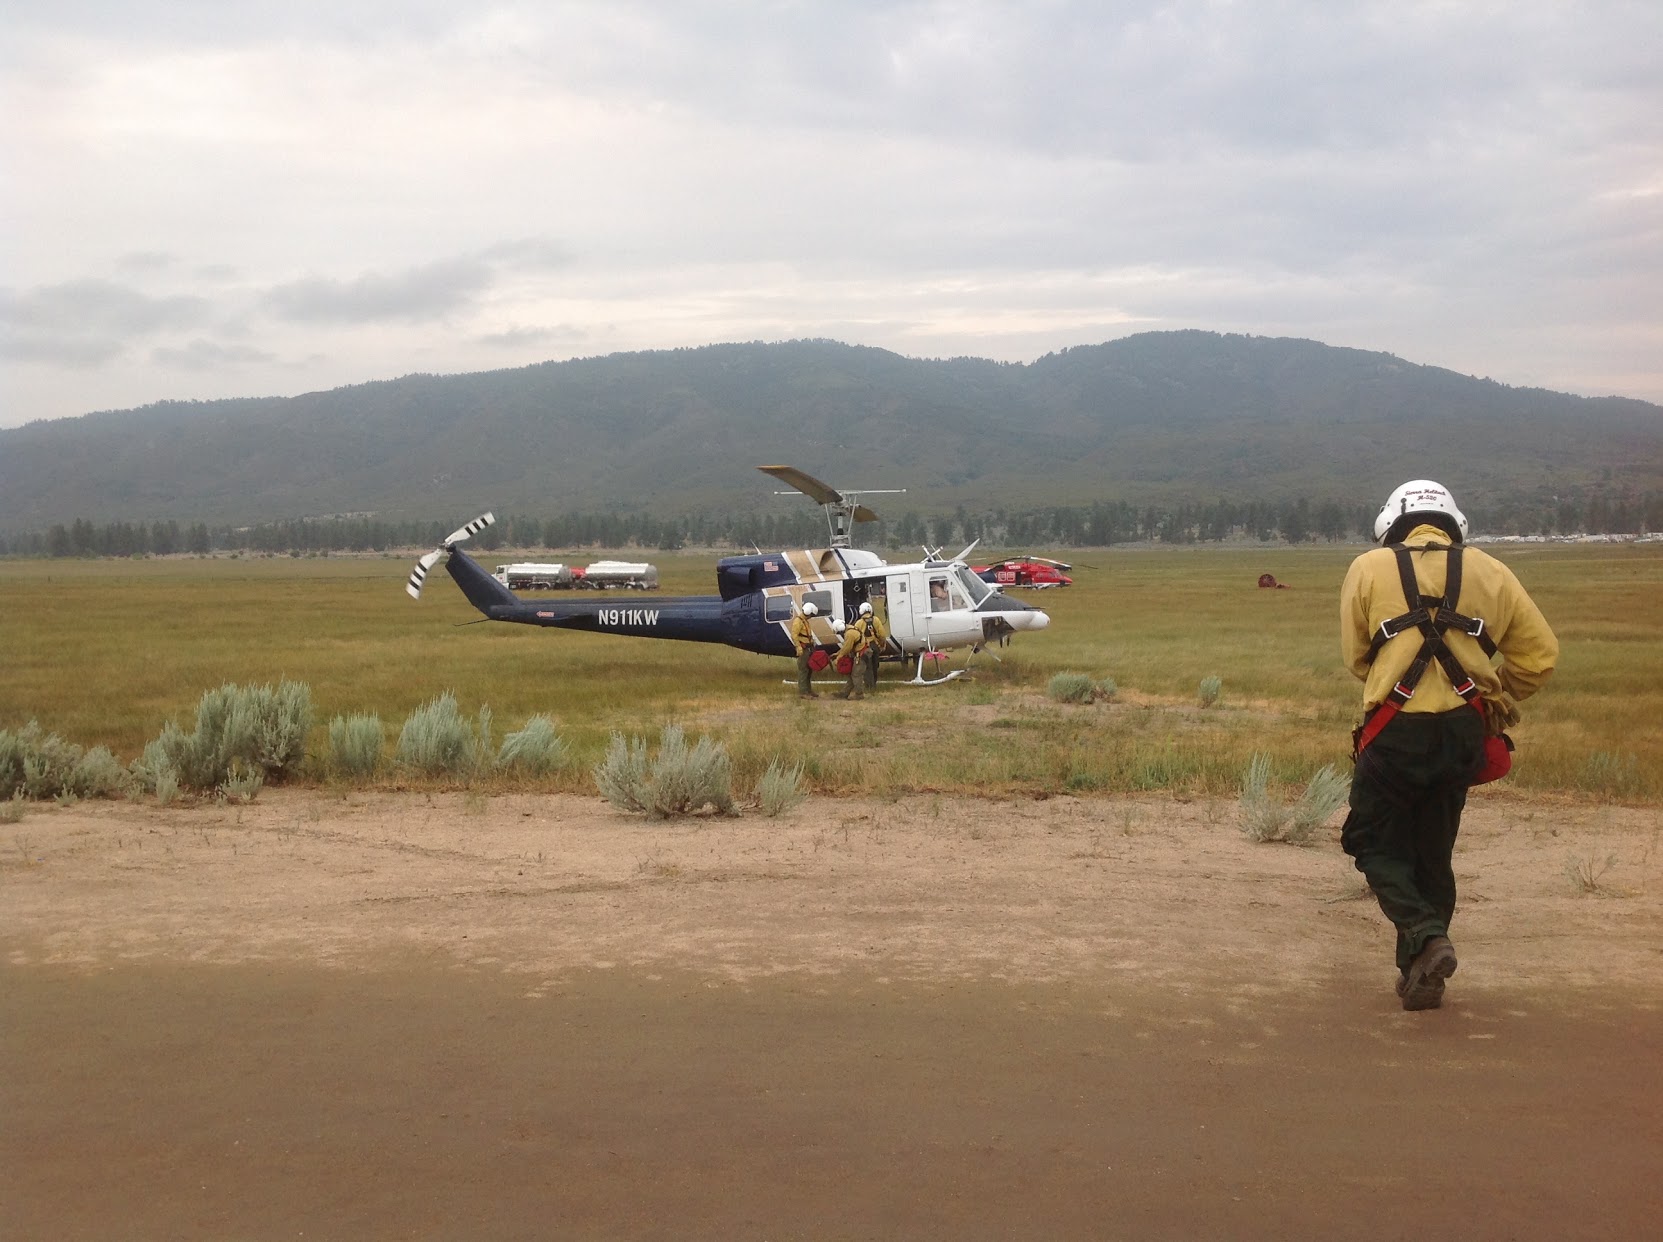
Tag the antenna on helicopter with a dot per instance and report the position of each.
(843, 509)
(932, 556)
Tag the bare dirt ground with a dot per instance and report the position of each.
(395, 1016)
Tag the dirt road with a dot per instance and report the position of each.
(398, 1017)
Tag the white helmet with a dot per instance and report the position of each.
(866, 610)
(838, 626)
(809, 610)
(1418, 496)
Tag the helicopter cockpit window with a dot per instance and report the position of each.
(947, 592)
(973, 585)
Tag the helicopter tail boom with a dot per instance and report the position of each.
(483, 590)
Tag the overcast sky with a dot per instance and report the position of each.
(211, 198)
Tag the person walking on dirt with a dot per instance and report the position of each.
(1421, 618)
(802, 639)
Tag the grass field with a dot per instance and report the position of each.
(104, 652)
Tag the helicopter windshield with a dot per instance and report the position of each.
(973, 586)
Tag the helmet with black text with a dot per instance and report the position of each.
(1417, 501)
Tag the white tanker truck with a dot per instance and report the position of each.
(609, 575)
(531, 576)
(599, 576)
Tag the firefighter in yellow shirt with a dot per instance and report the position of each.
(877, 641)
(1421, 620)
(802, 639)
(854, 638)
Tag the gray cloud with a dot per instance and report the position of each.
(529, 253)
(1460, 184)
(87, 322)
(431, 291)
(567, 335)
(206, 355)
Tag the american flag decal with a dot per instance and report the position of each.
(770, 567)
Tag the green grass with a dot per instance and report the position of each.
(104, 652)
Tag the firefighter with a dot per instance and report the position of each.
(877, 641)
(854, 639)
(1420, 618)
(802, 639)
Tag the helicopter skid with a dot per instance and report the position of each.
(940, 679)
(922, 680)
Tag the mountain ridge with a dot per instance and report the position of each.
(1155, 417)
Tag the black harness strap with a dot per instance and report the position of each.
(1432, 618)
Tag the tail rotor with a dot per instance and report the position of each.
(418, 575)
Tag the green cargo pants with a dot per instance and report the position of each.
(1407, 795)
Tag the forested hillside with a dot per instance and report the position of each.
(1153, 428)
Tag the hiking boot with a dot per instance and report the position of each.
(1423, 986)
(809, 695)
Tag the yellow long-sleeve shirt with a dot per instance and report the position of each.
(855, 638)
(879, 632)
(802, 633)
(1373, 593)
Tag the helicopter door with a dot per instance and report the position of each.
(904, 626)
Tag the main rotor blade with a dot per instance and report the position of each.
(807, 484)
(863, 514)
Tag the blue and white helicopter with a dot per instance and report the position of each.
(930, 607)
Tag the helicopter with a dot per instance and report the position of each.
(930, 607)
(1037, 572)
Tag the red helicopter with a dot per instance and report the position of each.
(1026, 571)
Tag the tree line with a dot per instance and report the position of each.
(1100, 524)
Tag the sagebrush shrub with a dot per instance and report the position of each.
(1261, 818)
(1208, 691)
(242, 783)
(98, 774)
(251, 726)
(780, 788)
(437, 740)
(40, 765)
(1069, 688)
(356, 744)
(679, 780)
(1266, 819)
(622, 775)
(536, 749)
(1326, 793)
